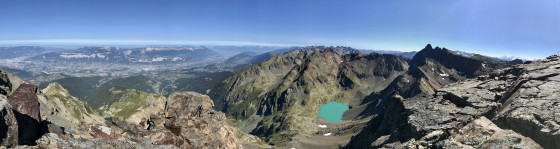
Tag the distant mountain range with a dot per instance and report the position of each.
(23, 51)
(411, 54)
(153, 55)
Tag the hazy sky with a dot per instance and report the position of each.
(526, 28)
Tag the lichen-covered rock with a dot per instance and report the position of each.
(51, 140)
(8, 124)
(192, 118)
(522, 103)
(482, 133)
(25, 103)
(531, 106)
(187, 122)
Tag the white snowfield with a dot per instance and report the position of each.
(327, 134)
(322, 126)
(81, 55)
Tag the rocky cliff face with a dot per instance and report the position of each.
(513, 107)
(432, 68)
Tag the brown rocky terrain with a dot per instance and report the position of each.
(515, 107)
(187, 121)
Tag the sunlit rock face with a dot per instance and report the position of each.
(517, 103)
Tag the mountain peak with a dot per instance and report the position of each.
(429, 46)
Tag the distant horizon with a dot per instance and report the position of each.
(139, 44)
(494, 28)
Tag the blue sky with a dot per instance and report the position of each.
(493, 27)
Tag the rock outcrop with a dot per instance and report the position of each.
(8, 83)
(8, 124)
(187, 122)
(190, 116)
(25, 103)
(513, 107)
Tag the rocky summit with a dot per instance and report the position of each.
(514, 107)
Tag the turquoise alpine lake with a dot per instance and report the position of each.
(332, 111)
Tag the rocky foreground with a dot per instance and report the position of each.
(187, 122)
(517, 107)
(30, 118)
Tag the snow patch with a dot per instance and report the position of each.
(443, 75)
(327, 134)
(100, 55)
(322, 126)
(158, 59)
(105, 129)
(77, 55)
(483, 65)
(148, 49)
(127, 52)
(378, 102)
